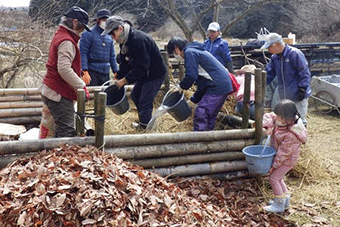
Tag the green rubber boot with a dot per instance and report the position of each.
(277, 206)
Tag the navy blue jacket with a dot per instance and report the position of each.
(291, 69)
(143, 60)
(97, 51)
(219, 48)
(215, 81)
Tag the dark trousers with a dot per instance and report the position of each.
(63, 114)
(97, 79)
(206, 112)
(143, 95)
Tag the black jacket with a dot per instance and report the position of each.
(143, 61)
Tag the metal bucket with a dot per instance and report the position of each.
(257, 163)
(116, 99)
(176, 105)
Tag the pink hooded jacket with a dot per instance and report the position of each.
(286, 140)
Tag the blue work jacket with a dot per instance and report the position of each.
(97, 51)
(214, 81)
(291, 69)
(219, 48)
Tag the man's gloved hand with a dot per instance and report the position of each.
(179, 89)
(301, 94)
(87, 94)
(86, 77)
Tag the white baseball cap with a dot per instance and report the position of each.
(214, 26)
(271, 39)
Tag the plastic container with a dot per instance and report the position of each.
(291, 36)
(258, 164)
(176, 105)
(116, 99)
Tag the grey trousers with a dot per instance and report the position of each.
(63, 114)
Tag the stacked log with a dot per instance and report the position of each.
(24, 105)
(169, 154)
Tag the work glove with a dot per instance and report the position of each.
(86, 77)
(179, 89)
(87, 94)
(301, 94)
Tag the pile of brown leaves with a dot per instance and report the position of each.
(74, 186)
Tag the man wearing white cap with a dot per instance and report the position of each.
(218, 47)
(290, 66)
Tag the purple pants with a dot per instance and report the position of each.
(276, 180)
(206, 112)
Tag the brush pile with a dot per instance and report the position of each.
(74, 186)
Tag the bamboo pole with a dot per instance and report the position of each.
(22, 112)
(12, 105)
(6, 159)
(20, 98)
(19, 91)
(112, 141)
(180, 137)
(100, 120)
(230, 175)
(246, 100)
(189, 159)
(181, 72)
(21, 120)
(233, 121)
(258, 105)
(168, 150)
(80, 119)
(201, 169)
(28, 146)
(36, 92)
(165, 57)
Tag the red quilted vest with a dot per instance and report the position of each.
(52, 78)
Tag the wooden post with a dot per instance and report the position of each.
(258, 106)
(181, 71)
(80, 119)
(264, 83)
(246, 99)
(165, 56)
(100, 120)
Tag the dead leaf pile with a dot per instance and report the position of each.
(74, 186)
(242, 197)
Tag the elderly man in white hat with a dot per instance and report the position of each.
(218, 47)
(290, 66)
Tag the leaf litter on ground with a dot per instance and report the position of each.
(83, 186)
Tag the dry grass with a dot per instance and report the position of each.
(314, 181)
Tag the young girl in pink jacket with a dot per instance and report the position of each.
(288, 133)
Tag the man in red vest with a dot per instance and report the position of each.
(63, 76)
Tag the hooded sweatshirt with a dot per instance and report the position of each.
(202, 68)
(286, 140)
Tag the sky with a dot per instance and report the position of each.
(14, 3)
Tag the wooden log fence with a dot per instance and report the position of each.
(216, 153)
(174, 154)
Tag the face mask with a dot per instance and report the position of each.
(178, 57)
(102, 25)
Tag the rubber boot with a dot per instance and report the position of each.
(287, 203)
(277, 206)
